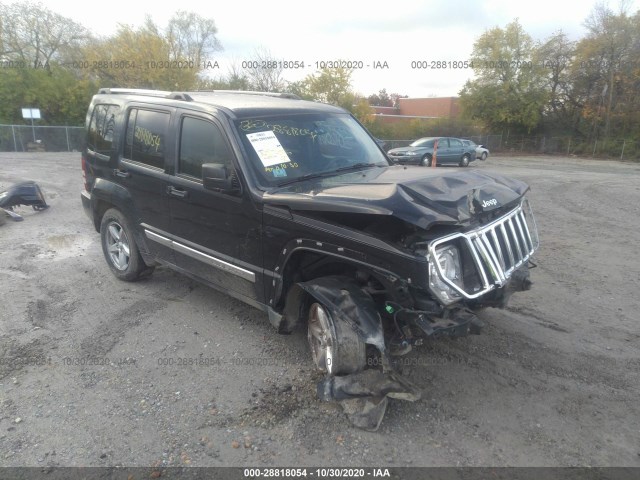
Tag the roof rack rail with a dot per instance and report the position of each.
(186, 95)
(291, 96)
(146, 92)
(180, 96)
(135, 91)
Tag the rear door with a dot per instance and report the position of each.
(141, 171)
(217, 236)
(443, 155)
(457, 149)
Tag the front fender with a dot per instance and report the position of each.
(346, 302)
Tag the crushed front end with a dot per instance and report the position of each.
(397, 256)
(469, 269)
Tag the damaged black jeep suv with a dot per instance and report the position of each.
(292, 207)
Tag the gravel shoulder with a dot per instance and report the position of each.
(168, 372)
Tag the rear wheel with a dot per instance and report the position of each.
(465, 160)
(120, 249)
(335, 347)
(483, 156)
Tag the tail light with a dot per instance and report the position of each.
(84, 172)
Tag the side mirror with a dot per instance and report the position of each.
(216, 176)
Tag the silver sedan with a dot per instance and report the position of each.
(481, 151)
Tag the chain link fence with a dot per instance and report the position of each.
(622, 149)
(25, 138)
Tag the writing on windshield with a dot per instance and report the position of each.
(303, 145)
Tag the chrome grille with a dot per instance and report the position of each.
(497, 249)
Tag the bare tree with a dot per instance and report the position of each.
(36, 35)
(556, 54)
(265, 72)
(235, 79)
(192, 37)
(610, 53)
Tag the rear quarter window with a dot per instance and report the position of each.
(102, 128)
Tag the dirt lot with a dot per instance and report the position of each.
(93, 369)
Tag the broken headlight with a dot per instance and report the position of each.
(446, 264)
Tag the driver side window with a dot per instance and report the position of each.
(201, 142)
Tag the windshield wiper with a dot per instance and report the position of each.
(303, 177)
(329, 172)
(360, 165)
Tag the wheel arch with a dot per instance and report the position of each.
(331, 281)
(318, 259)
(105, 195)
(288, 296)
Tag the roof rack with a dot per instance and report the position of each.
(149, 93)
(291, 96)
(187, 97)
(180, 96)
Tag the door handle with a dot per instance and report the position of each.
(121, 173)
(176, 192)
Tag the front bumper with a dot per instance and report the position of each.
(458, 321)
(493, 253)
(405, 159)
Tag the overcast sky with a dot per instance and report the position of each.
(396, 31)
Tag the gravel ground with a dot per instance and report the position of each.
(99, 372)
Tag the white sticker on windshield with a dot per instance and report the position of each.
(268, 148)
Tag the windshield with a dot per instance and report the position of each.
(288, 147)
(423, 142)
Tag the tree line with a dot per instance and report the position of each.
(53, 63)
(589, 88)
(586, 88)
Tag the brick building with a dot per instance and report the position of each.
(411, 108)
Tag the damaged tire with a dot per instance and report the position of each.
(120, 249)
(335, 347)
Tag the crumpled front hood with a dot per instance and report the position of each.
(418, 195)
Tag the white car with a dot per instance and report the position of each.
(481, 152)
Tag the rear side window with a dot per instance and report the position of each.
(455, 143)
(146, 136)
(102, 128)
(201, 142)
